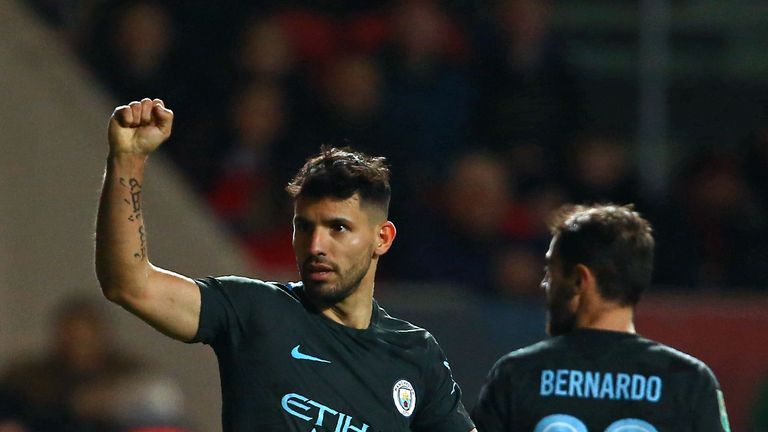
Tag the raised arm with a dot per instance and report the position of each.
(168, 301)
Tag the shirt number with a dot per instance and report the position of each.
(567, 423)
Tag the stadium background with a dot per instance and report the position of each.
(492, 114)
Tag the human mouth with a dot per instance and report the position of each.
(318, 271)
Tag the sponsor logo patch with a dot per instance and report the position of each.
(298, 355)
(405, 397)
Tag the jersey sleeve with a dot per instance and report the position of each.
(229, 308)
(491, 411)
(442, 410)
(709, 413)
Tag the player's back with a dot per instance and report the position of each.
(592, 380)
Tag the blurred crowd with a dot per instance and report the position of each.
(474, 103)
(84, 382)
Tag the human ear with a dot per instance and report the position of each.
(385, 236)
(584, 278)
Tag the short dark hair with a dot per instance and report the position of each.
(341, 173)
(614, 241)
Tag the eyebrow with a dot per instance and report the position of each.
(332, 221)
(339, 221)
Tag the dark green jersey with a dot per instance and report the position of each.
(592, 380)
(286, 367)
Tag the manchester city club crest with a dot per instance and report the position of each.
(405, 397)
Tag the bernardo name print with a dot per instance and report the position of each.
(600, 385)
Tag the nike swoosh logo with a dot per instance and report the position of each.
(298, 355)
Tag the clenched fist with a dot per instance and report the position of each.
(139, 127)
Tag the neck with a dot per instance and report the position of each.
(608, 317)
(354, 311)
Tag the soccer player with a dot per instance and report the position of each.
(596, 373)
(316, 355)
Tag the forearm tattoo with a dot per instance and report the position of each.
(135, 203)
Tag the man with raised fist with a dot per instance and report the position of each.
(314, 355)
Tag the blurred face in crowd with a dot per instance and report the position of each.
(258, 115)
(718, 189)
(143, 37)
(266, 50)
(545, 203)
(480, 180)
(516, 272)
(353, 86)
(421, 27)
(81, 341)
(560, 294)
(601, 162)
(334, 242)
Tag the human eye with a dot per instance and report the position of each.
(300, 225)
(339, 225)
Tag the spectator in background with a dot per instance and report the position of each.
(517, 267)
(532, 164)
(528, 93)
(516, 272)
(264, 52)
(714, 233)
(133, 48)
(51, 389)
(601, 171)
(139, 47)
(137, 402)
(247, 191)
(470, 231)
(427, 98)
(347, 110)
(314, 35)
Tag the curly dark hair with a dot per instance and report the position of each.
(341, 173)
(614, 241)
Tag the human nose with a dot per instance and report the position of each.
(317, 242)
(544, 284)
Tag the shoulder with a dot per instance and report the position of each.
(235, 282)
(235, 305)
(390, 323)
(520, 360)
(531, 352)
(404, 333)
(249, 297)
(678, 360)
(246, 285)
